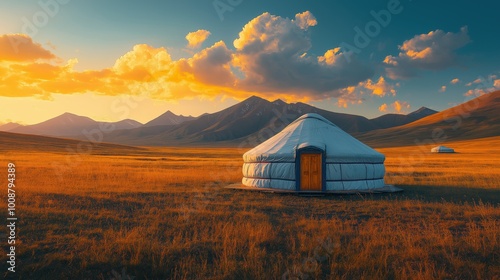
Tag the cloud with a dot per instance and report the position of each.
(195, 39)
(487, 85)
(383, 108)
(475, 92)
(476, 81)
(455, 81)
(400, 106)
(21, 48)
(271, 53)
(142, 63)
(380, 88)
(435, 50)
(305, 20)
(270, 59)
(349, 95)
(442, 89)
(396, 107)
(358, 93)
(210, 66)
(330, 57)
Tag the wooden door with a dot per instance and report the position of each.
(310, 172)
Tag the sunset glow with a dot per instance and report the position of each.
(272, 55)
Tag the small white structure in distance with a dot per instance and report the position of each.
(442, 149)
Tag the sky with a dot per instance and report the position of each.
(112, 60)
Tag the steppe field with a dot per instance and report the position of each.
(163, 213)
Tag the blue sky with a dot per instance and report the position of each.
(463, 45)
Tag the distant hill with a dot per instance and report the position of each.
(9, 126)
(69, 124)
(22, 142)
(477, 118)
(169, 118)
(392, 120)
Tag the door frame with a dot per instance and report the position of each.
(310, 150)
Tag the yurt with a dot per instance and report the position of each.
(442, 149)
(313, 155)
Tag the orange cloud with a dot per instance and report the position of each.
(20, 47)
(417, 54)
(305, 20)
(269, 59)
(349, 95)
(210, 66)
(455, 81)
(435, 50)
(396, 107)
(354, 94)
(330, 56)
(380, 88)
(400, 106)
(442, 89)
(143, 70)
(37, 71)
(195, 39)
(143, 63)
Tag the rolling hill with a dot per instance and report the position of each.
(9, 126)
(476, 118)
(21, 142)
(392, 120)
(69, 124)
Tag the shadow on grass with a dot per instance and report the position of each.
(429, 194)
(451, 194)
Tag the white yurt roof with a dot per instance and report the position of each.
(312, 130)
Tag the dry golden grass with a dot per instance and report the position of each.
(476, 164)
(163, 214)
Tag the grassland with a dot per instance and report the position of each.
(163, 214)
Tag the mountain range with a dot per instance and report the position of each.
(247, 123)
(69, 124)
(476, 118)
(243, 119)
(254, 120)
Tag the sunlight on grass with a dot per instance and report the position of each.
(164, 214)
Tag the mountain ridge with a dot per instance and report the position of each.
(393, 120)
(69, 124)
(476, 118)
(169, 118)
(254, 117)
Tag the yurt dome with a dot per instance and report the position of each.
(313, 154)
(442, 149)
